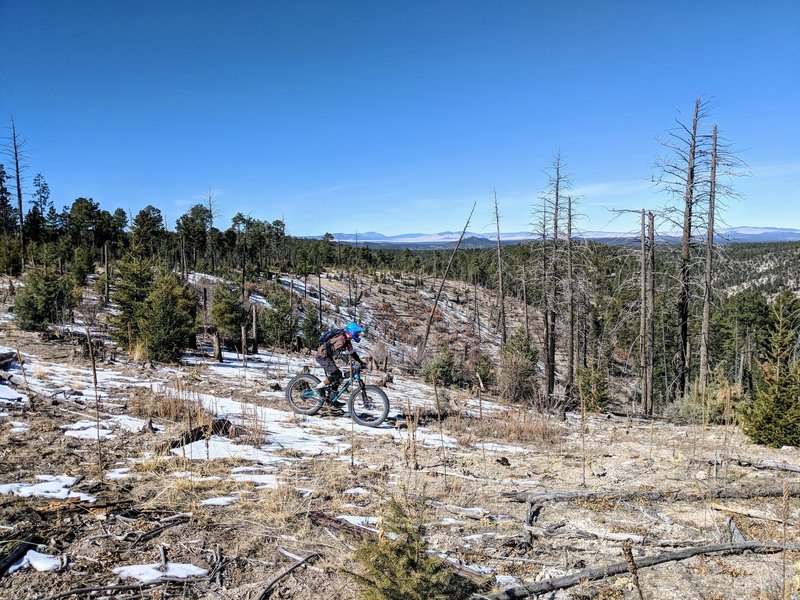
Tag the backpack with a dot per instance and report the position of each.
(331, 333)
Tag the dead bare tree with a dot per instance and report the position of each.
(706, 323)
(558, 182)
(651, 309)
(501, 301)
(570, 375)
(679, 172)
(441, 285)
(213, 211)
(14, 149)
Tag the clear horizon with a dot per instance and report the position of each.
(346, 117)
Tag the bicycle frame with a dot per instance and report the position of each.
(355, 375)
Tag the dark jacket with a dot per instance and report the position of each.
(336, 345)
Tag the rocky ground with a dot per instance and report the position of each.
(198, 482)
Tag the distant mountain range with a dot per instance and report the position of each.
(478, 240)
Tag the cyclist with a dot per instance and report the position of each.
(337, 342)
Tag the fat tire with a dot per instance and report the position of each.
(380, 409)
(297, 385)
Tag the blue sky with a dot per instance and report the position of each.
(396, 116)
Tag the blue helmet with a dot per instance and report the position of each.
(353, 329)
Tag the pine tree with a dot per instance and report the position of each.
(46, 298)
(166, 319)
(8, 214)
(228, 313)
(133, 283)
(310, 326)
(278, 320)
(774, 417)
(399, 567)
(519, 374)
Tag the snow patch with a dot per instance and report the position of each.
(220, 501)
(39, 561)
(11, 396)
(51, 486)
(152, 573)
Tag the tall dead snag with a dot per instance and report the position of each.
(501, 301)
(14, 150)
(569, 380)
(706, 323)
(551, 199)
(551, 322)
(651, 311)
(538, 588)
(441, 285)
(679, 176)
(643, 306)
(685, 257)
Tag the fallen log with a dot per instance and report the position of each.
(675, 495)
(640, 540)
(6, 358)
(85, 591)
(535, 501)
(762, 463)
(219, 427)
(271, 585)
(753, 514)
(533, 589)
(166, 524)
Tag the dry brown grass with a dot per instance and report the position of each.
(149, 404)
(520, 426)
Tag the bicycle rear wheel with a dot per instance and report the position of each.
(368, 407)
(302, 395)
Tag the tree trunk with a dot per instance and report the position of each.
(500, 295)
(706, 324)
(525, 303)
(685, 258)
(254, 330)
(569, 382)
(217, 347)
(551, 323)
(651, 309)
(643, 317)
(16, 148)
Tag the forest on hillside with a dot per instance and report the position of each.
(696, 326)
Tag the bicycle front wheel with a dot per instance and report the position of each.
(301, 395)
(368, 407)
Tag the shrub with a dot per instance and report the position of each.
(484, 368)
(310, 326)
(444, 369)
(593, 386)
(399, 566)
(518, 377)
(44, 299)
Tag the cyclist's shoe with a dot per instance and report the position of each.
(336, 403)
